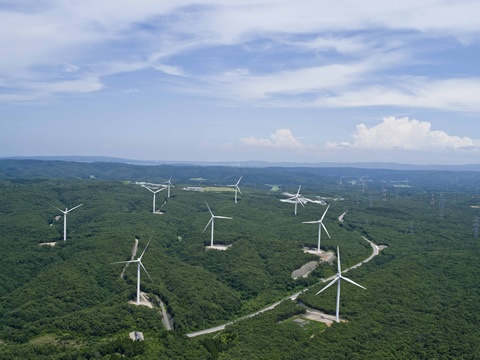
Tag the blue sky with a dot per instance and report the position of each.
(273, 80)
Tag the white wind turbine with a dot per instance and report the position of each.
(237, 189)
(169, 184)
(65, 219)
(139, 261)
(154, 193)
(297, 199)
(337, 278)
(212, 220)
(320, 225)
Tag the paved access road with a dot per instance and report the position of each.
(375, 252)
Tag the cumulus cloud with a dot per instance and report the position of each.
(405, 134)
(281, 138)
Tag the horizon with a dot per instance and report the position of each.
(197, 81)
(255, 163)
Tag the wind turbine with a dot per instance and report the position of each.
(65, 219)
(237, 189)
(169, 183)
(338, 277)
(154, 193)
(320, 225)
(139, 261)
(212, 220)
(295, 198)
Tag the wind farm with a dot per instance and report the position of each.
(246, 296)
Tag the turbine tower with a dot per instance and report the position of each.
(139, 261)
(154, 193)
(65, 219)
(237, 189)
(337, 278)
(169, 184)
(320, 225)
(212, 220)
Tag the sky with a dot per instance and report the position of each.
(238, 80)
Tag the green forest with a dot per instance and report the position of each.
(68, 301)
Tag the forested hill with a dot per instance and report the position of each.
(429, 180)
(65, 299)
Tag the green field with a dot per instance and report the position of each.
(218, 189)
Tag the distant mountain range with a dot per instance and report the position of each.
(255, 164)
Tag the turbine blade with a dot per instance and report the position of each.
(239, 190)
(325, 213)
(331, 283)
(324, 228)
(146, 271)
(301, 203)
(148, 189)
(207, 224)
(74, 208)
(311, 222)
(298, 191)
(338, 261)
(123, 262)
(145, 248)
(353, 282)
(62, 211)
(238, 182)
(209, 208)
(222, 217)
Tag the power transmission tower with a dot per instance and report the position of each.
(442, 205)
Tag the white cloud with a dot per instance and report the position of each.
(98, 36)
(405, 134)
(70, 68)
(170, 70)
(281, 138)
(460, 94)
(240, 84)
(130, 91)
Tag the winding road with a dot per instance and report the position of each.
(376, 251)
